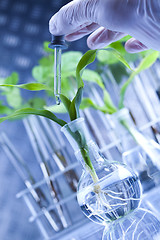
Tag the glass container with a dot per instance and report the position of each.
(107, 190)
(139, 225)
(139, 152)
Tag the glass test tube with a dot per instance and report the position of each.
(57, 73)
(58, 43)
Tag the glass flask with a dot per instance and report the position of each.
(106, 190)
(139, 152)
(138, 225)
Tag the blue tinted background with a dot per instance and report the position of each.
(23, 29)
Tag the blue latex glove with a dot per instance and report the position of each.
(110, 20)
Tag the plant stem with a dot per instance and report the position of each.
(89, 164)
(141, 141)
(127, 127)
(138, 137)
(81, 142)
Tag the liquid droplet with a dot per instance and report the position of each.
(58, 101)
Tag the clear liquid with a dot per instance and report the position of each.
(139, 225)
(57, 74)
(119, 197)
(58, 101)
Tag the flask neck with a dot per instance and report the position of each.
(123, 123)
(134, 142)
(93, 152)
(126, 130)
(86, 151)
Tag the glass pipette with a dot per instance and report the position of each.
(57, 43)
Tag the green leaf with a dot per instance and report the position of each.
(87, 58)
(119, 72)
(47, 61)
(124, 39)
(68, 86)
(147, 62)
(92, 76)
(72, 107)
(111, 56)
(66, 102)
(120, 58)
(106, 57)
(56, 108)
(70, 60)
(29, 86)
(72, 111)
(4, 109)
(108, 102)
(14, 98)
(65, 75)
(131, 57)
(145, 53)
(69, 63)
(78, 99)
(31, 111)
(12, 94)
(12, 79)
(128, 57)
(46, 48)
(118, 47)
(37, 103)
(42, 73)
(75, 105)
(88, 103)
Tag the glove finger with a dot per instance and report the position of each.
(72, 17)
(134, 46)
(103, 37)
(82, 32)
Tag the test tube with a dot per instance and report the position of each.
(57, 74)
(25, 174)
(57, 43)
(42, 157)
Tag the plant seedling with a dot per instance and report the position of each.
(72, 108)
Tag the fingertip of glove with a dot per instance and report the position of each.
(92, 45)
(52, 26)
(134, 46)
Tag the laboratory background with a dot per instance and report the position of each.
(46, 189)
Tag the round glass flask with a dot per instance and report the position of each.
(107, 190)
(141, 224)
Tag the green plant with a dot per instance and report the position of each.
(44, 72)
(74, 102)
(44, 75)
(12, 98)
(72, 106)
(109, 106)
(149, 58)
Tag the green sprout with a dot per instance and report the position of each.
(111, 55)
(75, 102)
(109, 107)
(72, 107)
(72, 98)
(146, 60)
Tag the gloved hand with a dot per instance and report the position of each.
(110, 20)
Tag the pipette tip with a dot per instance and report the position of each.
(58, 101)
